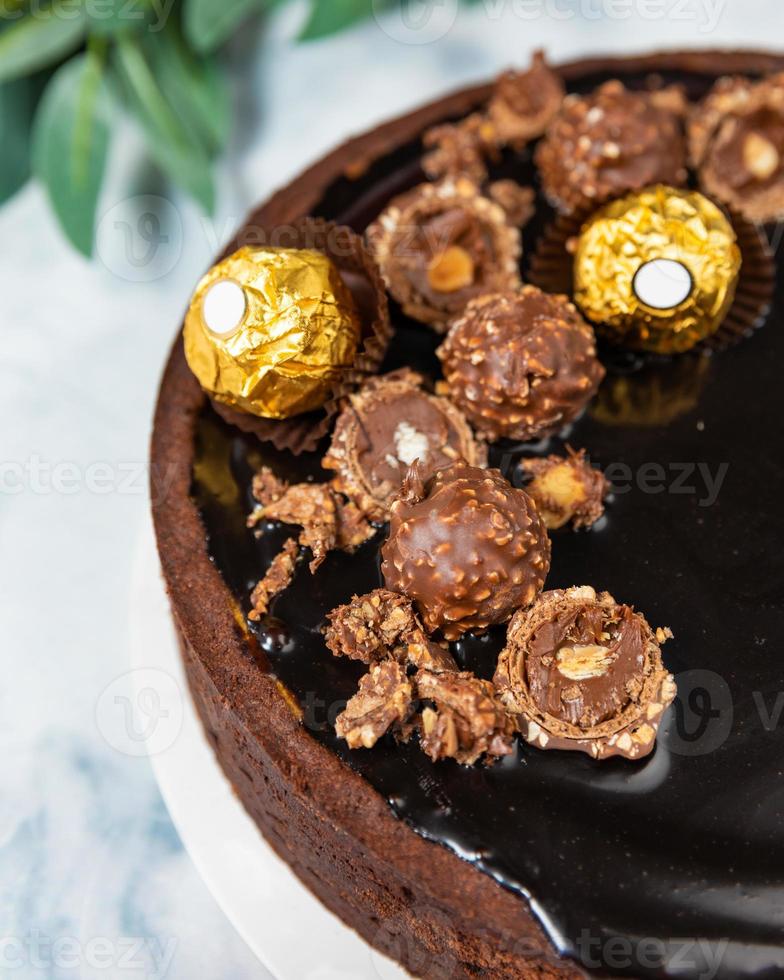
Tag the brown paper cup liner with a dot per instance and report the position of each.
(302, 433)
(551, 270)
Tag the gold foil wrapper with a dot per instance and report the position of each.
(695, 240)
(279, 348)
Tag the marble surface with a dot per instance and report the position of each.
(93, 878)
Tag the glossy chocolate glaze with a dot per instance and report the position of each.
(673, 866)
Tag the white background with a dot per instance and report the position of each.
(87, 852)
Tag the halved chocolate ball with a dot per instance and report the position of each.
(583, 672)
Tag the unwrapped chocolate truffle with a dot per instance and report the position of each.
(386, 426)
(520, 365)
(582, 672)
(467, 547)
(566, 488)
(459, 149)
(439, 245)
(657, 270)
(736, 143)
(524, 102)
(612, 141)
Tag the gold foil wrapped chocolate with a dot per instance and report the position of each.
(270, 331)
(657, 270)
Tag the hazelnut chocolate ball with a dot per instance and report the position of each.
(612, 141)
(467, 547)
(520, 365)
(736, 143)
(441, 244)
(583, 672)
(385, 426)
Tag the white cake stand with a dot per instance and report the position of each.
(289, 930)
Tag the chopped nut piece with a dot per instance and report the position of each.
(423, 653)
(277, 578)
(760, 156)
(467, 722)
(582, 672)
(382, 703)
(566, 489)
(450, 270)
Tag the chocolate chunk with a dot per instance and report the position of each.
(517, 201)
(459, 149)
(467, 721)
(600, 145)
(736, 142)
(520, 365)
(382, 625)
(328, 520)
(524, 102)
(382, 703)
(384, 428)
(566, 488)
(372, 627)
(439, 245)
(467, 547)
(581, 672)
(278, 577)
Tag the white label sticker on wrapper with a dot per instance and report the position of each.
(662, 284)
(223, 307)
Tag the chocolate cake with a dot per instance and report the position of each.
(413, 775)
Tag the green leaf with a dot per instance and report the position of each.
(208, 23)
(70, 141)
(194, 87)
(17, 100)
(330, 16)
(41, 38)
(184, 160)
(109, 17)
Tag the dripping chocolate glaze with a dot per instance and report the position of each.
(679, 858)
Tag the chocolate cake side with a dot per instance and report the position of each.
(414, 899)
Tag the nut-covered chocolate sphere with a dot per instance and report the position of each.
(582, 672)
(439, 245)
(467, 547)
(271, 330)
(388, 424)
(612, 141)
(520, 365)
(736, 143)
(657, 270)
